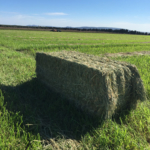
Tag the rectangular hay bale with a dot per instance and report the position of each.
(98, 86)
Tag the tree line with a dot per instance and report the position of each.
(122, 31)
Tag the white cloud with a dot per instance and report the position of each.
(56, 14)
(22, 16)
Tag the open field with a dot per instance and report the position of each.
(91, 43)
(33, 117)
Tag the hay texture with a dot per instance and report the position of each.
(99, 86)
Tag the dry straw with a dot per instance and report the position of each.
(99, 86)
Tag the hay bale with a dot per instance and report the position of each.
(98, 86)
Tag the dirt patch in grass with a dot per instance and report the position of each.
(122, 54)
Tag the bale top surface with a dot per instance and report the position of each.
(102, 64)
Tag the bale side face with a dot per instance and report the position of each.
(97, 85)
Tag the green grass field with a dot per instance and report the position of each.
(33, 117)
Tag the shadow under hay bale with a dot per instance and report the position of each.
(99, 86)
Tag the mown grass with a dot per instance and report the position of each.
(34, 117)
(32, 41)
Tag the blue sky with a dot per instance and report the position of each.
(128, 14)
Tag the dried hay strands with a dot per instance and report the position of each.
(98, 86)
